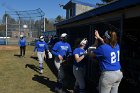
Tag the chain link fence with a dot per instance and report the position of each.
(29, 23)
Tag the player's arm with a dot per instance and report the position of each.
(97, 36)
(97, 52)
(91, 54)
(69, 50)
(55, 50)
(77, 58)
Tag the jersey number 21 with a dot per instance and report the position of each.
(115, 58)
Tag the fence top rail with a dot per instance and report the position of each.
(27, 13)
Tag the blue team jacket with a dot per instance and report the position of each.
(41, 46)
(61, 48)
(80, 52)
(22, 42)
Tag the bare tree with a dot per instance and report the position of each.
(2, 27)
(10, 19)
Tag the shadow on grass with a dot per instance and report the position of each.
(45, 81)
(35, 58)
(17, 55)
(50, 64)
(33, 67)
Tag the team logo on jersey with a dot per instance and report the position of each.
(81, 53)
(22, 41)
(64, 47)
(41, 45)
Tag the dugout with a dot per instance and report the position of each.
(123, 16)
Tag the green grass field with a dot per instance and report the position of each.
(20, 75)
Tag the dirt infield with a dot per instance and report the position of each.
(3, 47)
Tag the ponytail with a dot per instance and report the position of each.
(113, 39)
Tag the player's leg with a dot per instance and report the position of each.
(24, 49)
(115, 86)
(39, 54)
(20, 50)
(79, 74)
(105, 83)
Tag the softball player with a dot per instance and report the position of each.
(61, 50)
(108, 55)
(22, 44)
(41, 46)
(79, 67)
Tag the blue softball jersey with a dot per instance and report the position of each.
(22, 42)
(41, 46)
(61, 48)
(80, 52)
(109, 58)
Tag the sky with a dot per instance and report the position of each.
(51, 8)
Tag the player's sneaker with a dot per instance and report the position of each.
(41, 71)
